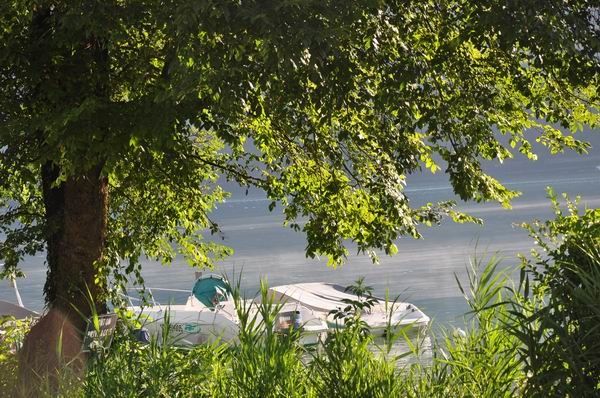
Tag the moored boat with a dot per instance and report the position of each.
(209, 314)
(325, 299)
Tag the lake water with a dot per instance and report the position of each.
(423, 270)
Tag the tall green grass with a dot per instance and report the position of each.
(477, 363)
(481, 360)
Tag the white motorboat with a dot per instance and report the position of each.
(209, 314)
(323, 298)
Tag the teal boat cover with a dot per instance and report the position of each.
(211, 289)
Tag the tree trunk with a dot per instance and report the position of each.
(76, 207)
(76, 214)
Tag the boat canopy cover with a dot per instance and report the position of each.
(325, 297)
(211, 289)
(319, 296)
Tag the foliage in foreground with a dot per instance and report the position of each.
(558, 318)
(350, 363)
(12, 333)
(537, 339)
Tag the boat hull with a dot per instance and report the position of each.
(325, 299)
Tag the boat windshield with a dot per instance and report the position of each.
(211, 290)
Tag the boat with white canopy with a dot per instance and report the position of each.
(323, 298)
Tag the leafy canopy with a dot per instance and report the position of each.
(326, 105)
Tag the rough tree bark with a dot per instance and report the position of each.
(76, 212)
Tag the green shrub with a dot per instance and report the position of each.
(558, 318)
(12, 332)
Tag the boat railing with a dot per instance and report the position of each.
(150, 290)
(223, 308)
